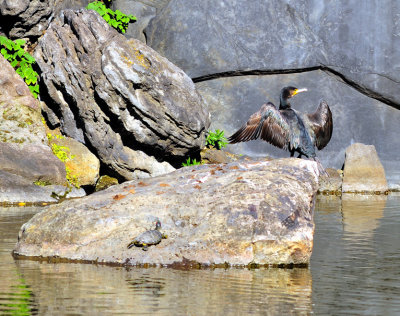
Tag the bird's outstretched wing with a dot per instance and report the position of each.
(267, 124)
(321, 123)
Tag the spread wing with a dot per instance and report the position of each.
(321, 124)
(267, 124)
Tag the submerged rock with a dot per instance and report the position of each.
(136, 109)
(238, 214)
(363, 171)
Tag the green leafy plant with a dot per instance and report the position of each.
(190, 162)
(116, 19)
(63, 153)
(216, 139)
(22, 62)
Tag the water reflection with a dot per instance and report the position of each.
(82, 289)
(362, 213)
(16, 296)
(355, 250)
(354, 270)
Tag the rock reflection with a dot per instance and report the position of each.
(361, 213)
(232, 291)
(90, 289)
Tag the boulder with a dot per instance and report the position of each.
(134, 108)
(83, 165)
(30, 18)
(356, 117)
(237, 214)
(25, 157)
(363, 171)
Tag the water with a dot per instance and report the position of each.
(355, 270)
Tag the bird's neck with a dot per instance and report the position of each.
(284, 103)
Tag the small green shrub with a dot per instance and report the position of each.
(22, 62)
(190, 162)
(116, 19)
(216, 139)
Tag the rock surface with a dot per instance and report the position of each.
(143, 11)
(331, 184)
(84, 165)
(15, 189)
(30, 18)
(363, 171)
(356, 117)
(131, 106)
(238, 214)
(357, 40)
(25, 156)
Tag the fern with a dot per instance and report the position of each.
(21, 61)
(118, 20)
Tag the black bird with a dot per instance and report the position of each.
(288, 129)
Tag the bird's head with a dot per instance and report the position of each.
(287, 93)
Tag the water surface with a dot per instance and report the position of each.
(354, 270)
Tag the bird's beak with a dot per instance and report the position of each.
(299, 90)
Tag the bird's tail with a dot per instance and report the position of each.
(321, 168)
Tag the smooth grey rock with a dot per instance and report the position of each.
(34, 162)
(356, 118)
(208, 37)
(358, 40)
(238, 214)
(142, 11)
(131, 106)
(363, 172)
(30, 18)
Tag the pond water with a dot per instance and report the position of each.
(355, 269)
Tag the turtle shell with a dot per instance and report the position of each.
(150, 237)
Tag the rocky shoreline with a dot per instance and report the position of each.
(130, 109)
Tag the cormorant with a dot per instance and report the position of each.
(288, 129)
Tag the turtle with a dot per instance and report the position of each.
(148, 238)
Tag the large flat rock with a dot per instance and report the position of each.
(238, 214)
